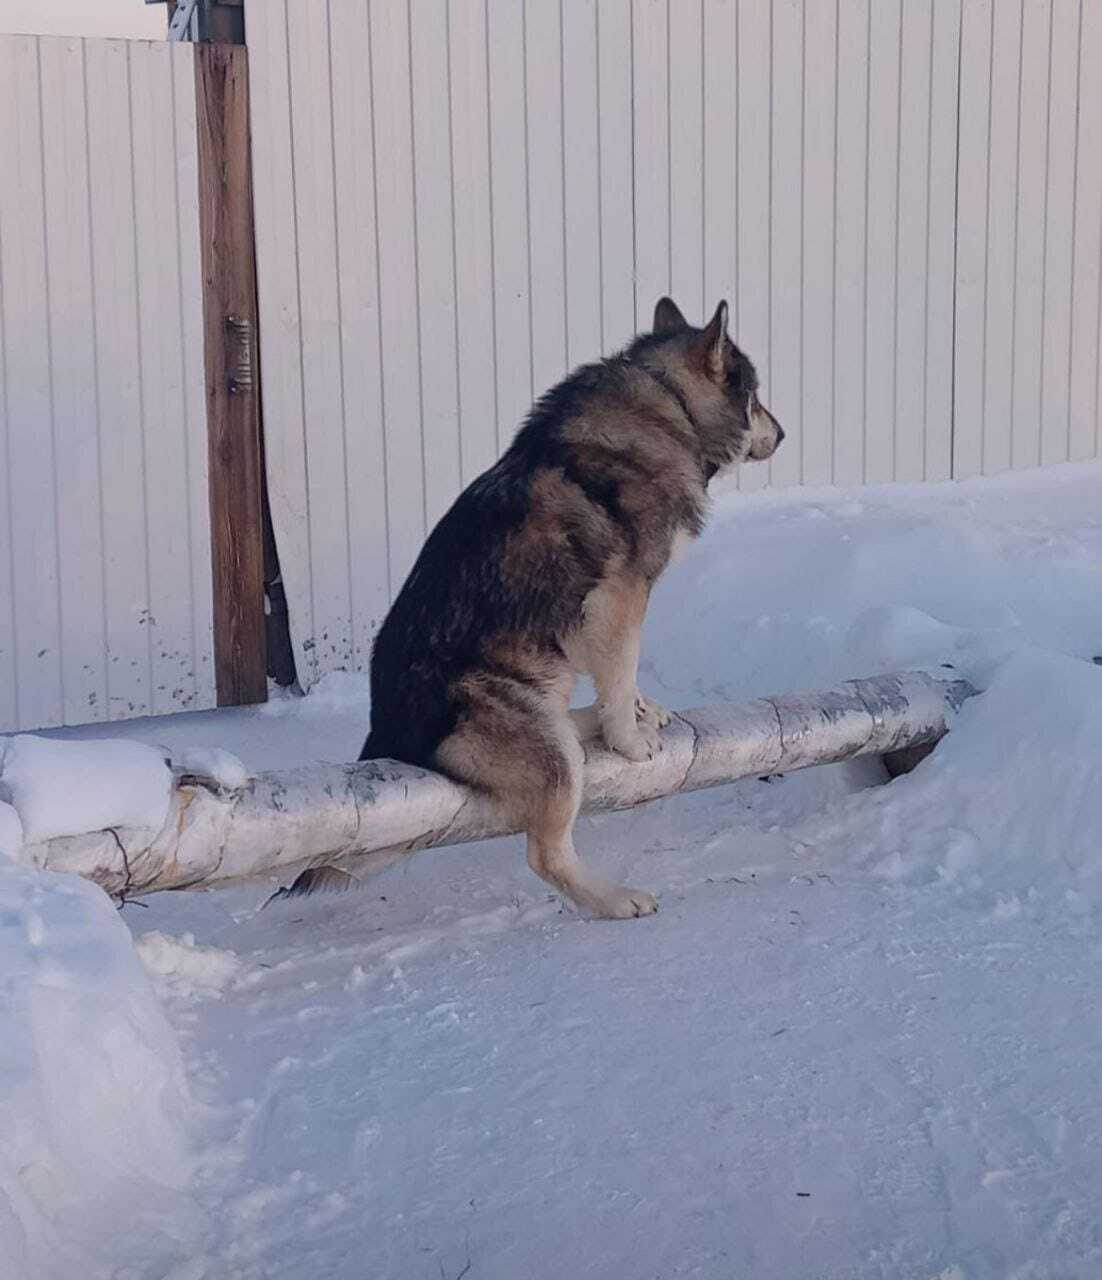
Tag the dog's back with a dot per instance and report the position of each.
(464, 590)
(519, 551)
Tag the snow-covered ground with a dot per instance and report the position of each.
(862, 1037)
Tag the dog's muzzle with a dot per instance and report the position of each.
(766, 434)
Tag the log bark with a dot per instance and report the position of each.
(365, 816)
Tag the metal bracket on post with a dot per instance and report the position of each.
(239, 355)
(205, 21)
(179, 27)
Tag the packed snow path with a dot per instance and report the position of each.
(862, 1038)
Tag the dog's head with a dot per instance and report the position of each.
(717, 382)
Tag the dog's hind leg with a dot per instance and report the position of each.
(586, 722)
(526, 753)
(551, 852)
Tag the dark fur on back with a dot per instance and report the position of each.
(610, 464)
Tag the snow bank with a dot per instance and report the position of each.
(336, 691)
(1009, 805)
(64, 788)
(804, 588)
(94, 1112)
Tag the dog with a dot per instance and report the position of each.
(542, 570)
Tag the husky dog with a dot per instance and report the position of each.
(542, 570)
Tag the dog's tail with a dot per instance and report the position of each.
(413, 739)
(380, 745)
(317, 880)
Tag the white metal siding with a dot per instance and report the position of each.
(105, 575)
(456, 202)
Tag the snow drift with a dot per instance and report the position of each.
(95, 1158)
(1009, 805)
(64, 788)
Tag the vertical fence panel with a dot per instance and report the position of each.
(882, 239)
(483, 429)
(105, 570)
(753, 197)
(364, 490)
(281, 335)
(818, 242)
(1029, 234)
(581, 181)
(850, 293)
(912, 240)
(76, 430)
(720, 158)
(546, 244)
(308, 63)
(616, 161)
(686, 161)
(941, 199)
(9, 664)
(786, 234)
(394, 196)
(1054, 338)
(435, 257)
(32, 530)
(1002, 219)
(164, 404)
(121, 408)
(650, 106)
(970, 318)
(511, 269)
(1085, 371)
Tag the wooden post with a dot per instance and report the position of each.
(222, 21)
(233, 393)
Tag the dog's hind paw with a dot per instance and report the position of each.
(618, 902)
(647, 711)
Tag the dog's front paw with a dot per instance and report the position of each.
(647, 711)
(640, 742)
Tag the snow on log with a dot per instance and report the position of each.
(365, 816)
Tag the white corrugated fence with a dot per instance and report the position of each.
(105, 567)
(458, 201)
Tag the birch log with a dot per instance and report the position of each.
(365, 816)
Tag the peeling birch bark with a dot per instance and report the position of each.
(366, 816)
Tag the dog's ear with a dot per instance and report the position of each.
(713, 339)
(668, 317)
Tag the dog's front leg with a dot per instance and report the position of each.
(611, 629)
